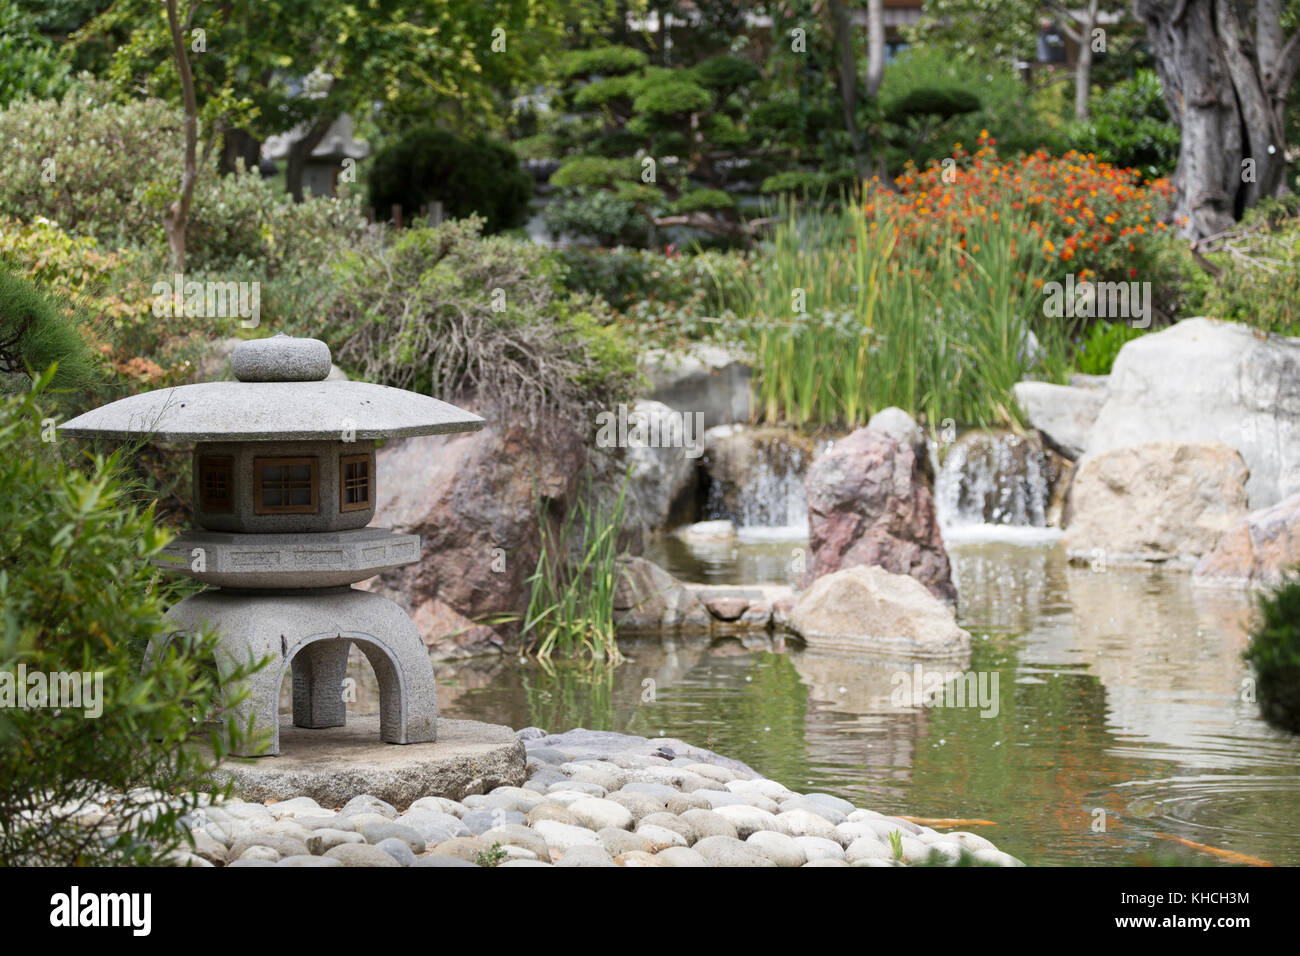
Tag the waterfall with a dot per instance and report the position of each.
(758, 478)
(994, 478)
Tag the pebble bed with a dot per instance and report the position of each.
(591, 799)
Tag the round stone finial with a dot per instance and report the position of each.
(281, 358)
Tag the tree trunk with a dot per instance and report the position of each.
(178, 212)
(848, 71)
(239, 147)
(300, 152)
(1083, 65)
(875, 46)
(1226, 82)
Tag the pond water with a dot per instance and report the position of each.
(1120, 735)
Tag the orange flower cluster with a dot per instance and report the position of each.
(1080, 214)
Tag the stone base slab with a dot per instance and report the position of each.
(335, 764)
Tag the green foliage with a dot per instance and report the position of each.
(1019, 118)
(726, 73)
(113, 164)
(29, 61)
(607, 61)
(592, 171)
(452, 313)
(940, 102)
(603, 91)
(666, 94)
(115, 168)
(938, 331)
(35, 334)
(571, 599)
(1275, 653)
(1259, 280)
(1100, 346)
(78, 597)
(1130, 125)
(607, 216)
(494, 855)
(470, 177)
(703, 200)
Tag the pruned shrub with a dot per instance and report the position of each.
(469, 177)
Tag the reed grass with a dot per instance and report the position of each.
(936, 329)
(571, 590)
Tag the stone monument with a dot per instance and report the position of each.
(284, 491)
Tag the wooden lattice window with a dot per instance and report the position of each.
(216, 484)
(354, 482)
(286, 486)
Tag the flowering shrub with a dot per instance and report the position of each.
(1085, 217)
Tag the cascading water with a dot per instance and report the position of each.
(995, 478)
(771, 494)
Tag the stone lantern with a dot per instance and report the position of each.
(284, 490)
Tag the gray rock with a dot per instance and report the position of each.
(1166, 502)
(681, 856)
(434, 827)
(871, 609)
(1207, 381)
(360, 854)
(707, 379)
(562, 837)
(323, 840)
(649, 600)
(326, 861)
(514, 834)
(480, 821)
(398, 850)
(596, 814)
(800, 823)
(655, 791)
(464, 848)
(777, 847)
(825, 861)
(661, 488)
(640, 805)
(661, 837)
(280, 358)
(439, 861)
(706, 823)
(279, 845)
(726, 851)
(617, 842)
(376, 833)
(365, 803)
(828, 813)
(749, 820)
(1064, 414)
(672, 822)
(819, 848)
(586, 855)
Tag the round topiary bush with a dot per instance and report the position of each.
(1275, 652)
(469, 177)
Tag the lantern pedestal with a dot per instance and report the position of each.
(310, 632)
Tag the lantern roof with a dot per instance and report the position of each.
(280, 395)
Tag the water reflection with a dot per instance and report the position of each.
(1120, 723)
